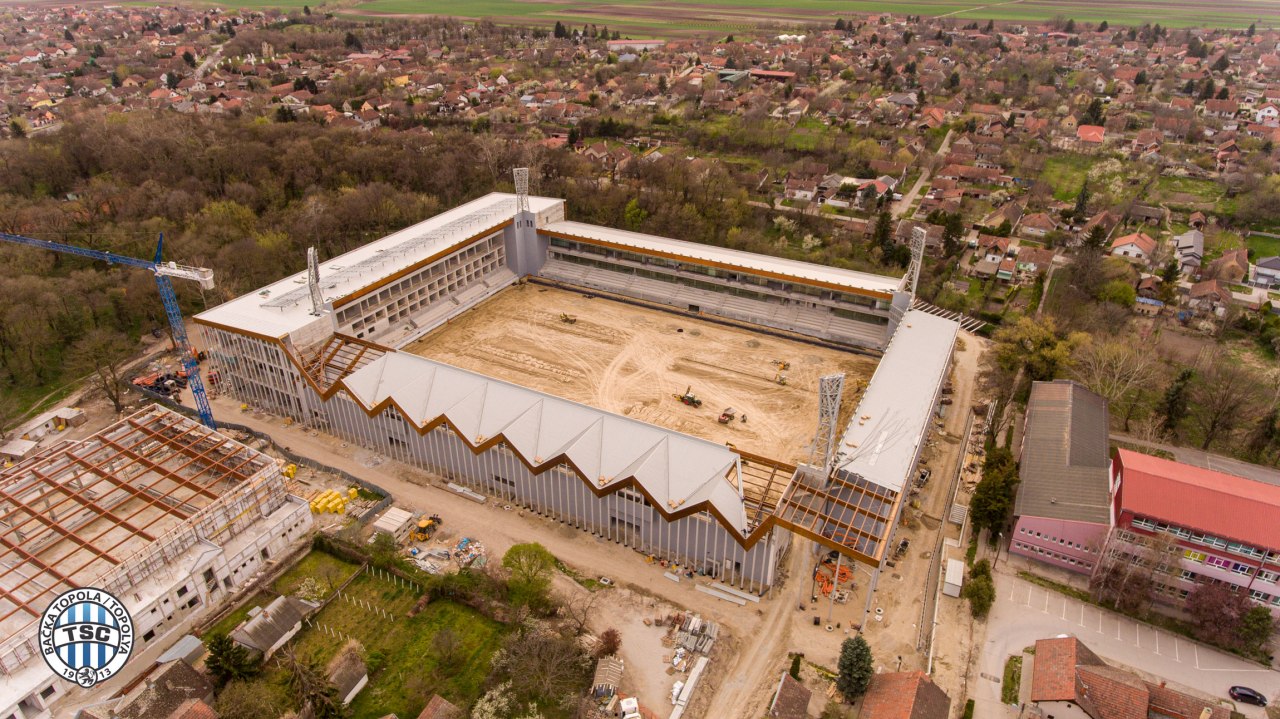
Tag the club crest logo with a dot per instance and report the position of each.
(86, 636)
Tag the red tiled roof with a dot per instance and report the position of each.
(1111, 693)
(1213, 502)
(1144, 243)
(1091, 133)
(905, 695)
(1054, 672)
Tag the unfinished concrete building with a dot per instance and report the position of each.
(327, 347)
(168, 516)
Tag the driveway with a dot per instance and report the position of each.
(1024, 612)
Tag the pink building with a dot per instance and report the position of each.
(1063, 510)
(1227, 527)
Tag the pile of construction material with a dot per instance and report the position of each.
(690, 633)
(332, 501)
(470, 552)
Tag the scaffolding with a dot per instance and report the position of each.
(107, 510)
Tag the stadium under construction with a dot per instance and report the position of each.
(355, 346)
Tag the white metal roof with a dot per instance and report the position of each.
(284, 306)
(801, 271)
(892, 418)
(677, 471)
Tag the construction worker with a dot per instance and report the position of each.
(744, 418)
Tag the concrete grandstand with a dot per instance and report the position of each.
(329, 352)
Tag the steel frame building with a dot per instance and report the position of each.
(167, 515)
(336, 366)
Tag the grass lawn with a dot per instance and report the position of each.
(322, 566)
(232, 620)
(410, 670)
(1012, 680)
(1264, 246)
(1066, 174)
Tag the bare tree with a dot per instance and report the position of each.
(577, 607)
(103, 352)
(448, 650)
(1223, 396)
(1117, 370)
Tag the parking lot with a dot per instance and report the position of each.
(1025, 612)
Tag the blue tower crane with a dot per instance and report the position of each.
(163, 271)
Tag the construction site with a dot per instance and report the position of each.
(641, 362)
(167, 515)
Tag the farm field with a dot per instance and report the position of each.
(684, 17)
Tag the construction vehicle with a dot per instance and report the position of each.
(782, 365)
(568, 319)
(162, 271)
(427, 526)
(727, 415)
(689, 397)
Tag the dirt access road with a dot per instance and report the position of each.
(498, 529)
(630, 360)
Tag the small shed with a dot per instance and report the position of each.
(608, 676)
(395, 521)
(953, 580)
(189, 649)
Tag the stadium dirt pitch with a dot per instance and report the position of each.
(631, 360)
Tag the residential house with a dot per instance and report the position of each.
(1037, 225)
(1068, 680)
(904, 695)
(1268, 114)
(992, 248)
(1189, 251)
(1033, 261)
(1137, 246)
(1226, 528)
(790, 700)
(1209, 297)
(267, 629)
(1266, 272)
(1090, 138)
(1063, 509)
(171, 691)
(1232, 266)
(440, 708)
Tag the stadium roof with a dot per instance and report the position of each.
(793, 270)
(883, 438)
(1227, 506)
(1065, 455)
(676, 471)
(285, 305)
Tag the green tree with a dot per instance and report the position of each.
(530, 565)
(1173, 406)
(559, 31)
(795, 667)
(634, 215)
(1119, 292)
(1103, 26)
(1221, 64)
(980, 590)
(17, 128)
(883, 233)
(1070, 26)
(1035, 346)
(1170, 272)
(352, 42)
(1096, 238)
(992, 499)
(1255, 629)
(855, 668)
(188, 58)
(1081, 209)
(229, 661)
(250, 700)
(1094, 114)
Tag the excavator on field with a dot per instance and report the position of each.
(689, 397)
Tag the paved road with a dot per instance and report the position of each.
(1024, 612)
(901, 206)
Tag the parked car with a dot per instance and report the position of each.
(1248, 696)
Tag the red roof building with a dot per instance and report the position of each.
(905, 695)
(1227, 526)
(1066, 675)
